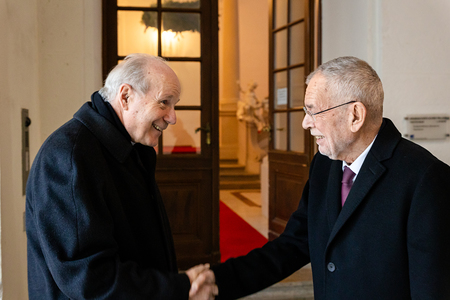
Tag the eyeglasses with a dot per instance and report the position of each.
(312, 115)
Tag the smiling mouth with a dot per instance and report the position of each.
(319, 137)
(157, 127)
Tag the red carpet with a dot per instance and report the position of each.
(237, 237)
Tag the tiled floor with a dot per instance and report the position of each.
(247, 204)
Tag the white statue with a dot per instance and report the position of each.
(251, 109)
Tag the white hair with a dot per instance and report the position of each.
(349, 78)
(134, 70)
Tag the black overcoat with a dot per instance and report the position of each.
(391, 240)
(96, 224)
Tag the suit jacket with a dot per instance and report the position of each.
(96, 224)
(391, 240)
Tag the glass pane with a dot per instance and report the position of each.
(280, 41)
(181, 137)
(281, 7)
(281, 90)
(297, 10)
(133, 35)
(137, 3)
(280, 132)
(181, 34)
(297, 47)
(181, 3)
(297, 133)
(189, 75)
(296, 87)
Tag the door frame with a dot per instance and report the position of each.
(288, 170)
(189, 183)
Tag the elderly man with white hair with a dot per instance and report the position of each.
(96, 224)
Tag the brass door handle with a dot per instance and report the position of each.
(206, 129)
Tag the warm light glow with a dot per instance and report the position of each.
(186, 43)
(169, 42)
(134, 38)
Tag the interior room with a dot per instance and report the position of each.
(55, 57)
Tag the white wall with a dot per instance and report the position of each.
(416, 61)
(51, 52)
(19, 89)
(69, 56)
(407, 43)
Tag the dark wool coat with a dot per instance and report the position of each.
(96, 224)
(391, 240)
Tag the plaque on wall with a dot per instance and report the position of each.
(427, 127)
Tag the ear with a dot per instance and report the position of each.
(125, 91)
(359, 114)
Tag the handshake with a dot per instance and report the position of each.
(203, 283)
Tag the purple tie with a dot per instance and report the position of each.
(347, 182)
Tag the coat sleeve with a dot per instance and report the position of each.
(70, 225)
(428, 232)
(276, 260)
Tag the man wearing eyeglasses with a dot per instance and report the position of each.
(374, 216)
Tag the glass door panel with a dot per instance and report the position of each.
(181, 34)
(297, 10)
(181, 138)
(137, 3)
(280, 52)
(189, 75)
(281, 7)
(296, 87)
(281, 90)
(135, 37)
(280, 131)
(297, 133)
(297, 44)
(181, 3)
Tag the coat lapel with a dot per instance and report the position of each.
(333, 196)
(370, 172)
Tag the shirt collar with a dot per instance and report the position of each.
(357, 164)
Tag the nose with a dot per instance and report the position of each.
(171, 116)
(308, 122)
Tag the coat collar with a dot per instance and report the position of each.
(110, 137)
(371, 171)
(386, 141)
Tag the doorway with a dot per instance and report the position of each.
(267, 50)
(243, 82)
(185, 34)
(265, 53)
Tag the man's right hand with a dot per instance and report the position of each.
(203, 283)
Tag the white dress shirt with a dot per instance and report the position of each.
(357, 164)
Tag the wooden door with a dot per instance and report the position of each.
(294, 53)
(186, 34)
